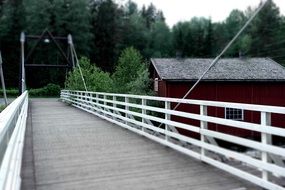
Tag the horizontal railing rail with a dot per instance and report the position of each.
(12, 132)
(144, 115)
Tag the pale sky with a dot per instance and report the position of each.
(184, 10)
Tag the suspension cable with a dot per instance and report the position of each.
(78, 64)
(223, 51)
(220, 55)
(2, 81)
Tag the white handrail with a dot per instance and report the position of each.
(132, 111)
(12, 132)
(253, 107)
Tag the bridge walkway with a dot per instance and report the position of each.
(67, 148)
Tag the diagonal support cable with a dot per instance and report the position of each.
(78, 64)
(2, 81)
(222, 52)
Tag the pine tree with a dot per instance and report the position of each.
(134, 33)
(12, 21)
(130, 62)
(265, 29)
(208, 51)
(160, 40)
(60, 17)
(105, 27)
(181, 39)
(73, 17)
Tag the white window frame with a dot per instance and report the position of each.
(234, 118)
(156, 84)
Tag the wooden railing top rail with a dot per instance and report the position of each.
(252, 107)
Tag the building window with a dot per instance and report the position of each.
(156, 84)
(234, 114)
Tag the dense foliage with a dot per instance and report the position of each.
(95, 78)
(102, 29)
(50, 90)
(131, 75)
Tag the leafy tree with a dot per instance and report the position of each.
(233, 24)
(265, 29)
(245, 43)
(101, 29)
(141, 85)
(131, 8)
(134, 33)
(44, 53)
(61, 17)
(39, 20)
(180, 33)
(73, 17)
(209, 40)
(198, 28)
(95, 78)
(219, 37)
(12, 22)
(160, 40)
(151, 15)
(130, 66)
(1, 4)
(194, 38)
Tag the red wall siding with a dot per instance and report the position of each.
(241, 92)
(162, 90)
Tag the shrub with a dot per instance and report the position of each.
(95, 78)
(131, 74)
(48, 90)
(2, 107)
(141, 85)
(10, 92)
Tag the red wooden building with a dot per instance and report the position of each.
(242, 80)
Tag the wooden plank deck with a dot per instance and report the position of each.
(70, 149)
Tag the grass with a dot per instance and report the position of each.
(2, 107)
(50, 90)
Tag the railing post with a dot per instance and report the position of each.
(71, 96)
(167, 117)
(203, 125)
(97, 102)
(127, 108)
(86, 95)
(144, 113)
(114, 106)
(91, 101)
(76, 97)
(80, 102)
(105, 103)
(68, 96)
(265, 139)
(83, 98)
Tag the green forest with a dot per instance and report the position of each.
(109, 36)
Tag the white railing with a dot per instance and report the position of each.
(138, 113)
(12, 132)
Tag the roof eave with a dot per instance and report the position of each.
(153, 63)
(225, 80)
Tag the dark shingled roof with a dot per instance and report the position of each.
(236, 69)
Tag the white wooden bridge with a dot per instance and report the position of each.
(55, 144)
